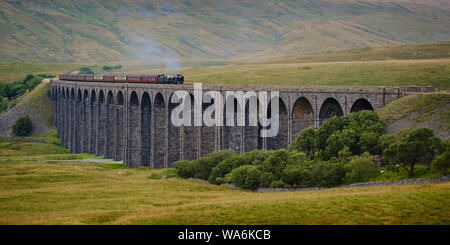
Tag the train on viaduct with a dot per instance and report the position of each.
(130, 122)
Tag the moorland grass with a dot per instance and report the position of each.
(43, 192)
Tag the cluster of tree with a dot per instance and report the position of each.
(109, 68)
(10, 91)
(339, 152)
(22, 126)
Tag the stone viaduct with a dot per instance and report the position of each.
(131, 122)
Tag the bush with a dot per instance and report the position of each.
(369, 141)
(204, 165)
(23, 126)
(442, 162)
(276, 162)
(246, 176)
(297, 176)
(184, 168)
(279, 184)
(305, 142)
(328, 173)
(360, 169)
(266, 179)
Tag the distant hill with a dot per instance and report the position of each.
(108, 31)
(438, 50)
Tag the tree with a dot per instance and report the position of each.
(442, 162)
(416, 146)
(22, 126)
(360, 169)
(338, 140)
(305, 142)
(369, 141)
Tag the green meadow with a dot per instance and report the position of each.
(37, 187)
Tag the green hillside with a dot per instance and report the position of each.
(165, 31)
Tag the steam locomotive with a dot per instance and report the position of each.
(157, 79)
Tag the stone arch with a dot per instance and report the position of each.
(146, 127)
(173, 142)
(93, 97)
(85, 96)
(72, 94)
(79, 96)
(67, 94)
(330, 107)
(302, 116)
(134, 100)
(159, 132)
(361, 104)
(281, 139)
(120, 98)
(110, 98)
(101, 97)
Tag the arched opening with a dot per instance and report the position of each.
(330, 108)
(120, 98)
(146, 128)
(208, 134)
(174, 146)
(160, 125)
(361, 104)
(101, 97)
(134, 131)
(190, 148)
(93, 123)
(134, 101)
(281, 139)
(110, 98)
(72, 94)
(120, 124)
(79, 96)
(233, 134)
(86, 126)
(101, 130)
(253, 140)
(110, 126)
(302, 116)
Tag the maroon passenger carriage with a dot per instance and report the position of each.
(157, 79)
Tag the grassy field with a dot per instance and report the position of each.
(58, 192)
(432, 72)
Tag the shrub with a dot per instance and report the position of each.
(184, 168)
(297, 176)
(266, 179)
(276, 162)
(328, 173)
(305, 142)
(279, 184)
(369, 141)
(360, 169)
(204, 165)
(23, 126)
(442, 162)
(246, 176)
